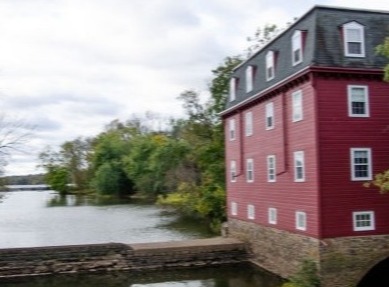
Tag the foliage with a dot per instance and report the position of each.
(58, 179)
(307, 276)
(204, 193)
(261, 37)
(66, 166)
(383, 49)
(381, 180)
(75, 156)
(152, 160)
(106, 162)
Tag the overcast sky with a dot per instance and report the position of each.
(69, 67)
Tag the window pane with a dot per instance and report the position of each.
(354, 35)
(354, 48)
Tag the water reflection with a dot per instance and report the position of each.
(227, 276)
(83, 200)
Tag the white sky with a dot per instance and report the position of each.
(69, 67)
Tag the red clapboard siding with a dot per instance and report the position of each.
(286, 137)
(337, 134)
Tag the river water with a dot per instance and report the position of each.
(43, 218)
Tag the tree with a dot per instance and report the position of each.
(14, 134)
(261, 37)
(383, 49)
(381, 180)
(57, 174)
(204, 193)
(109, 149)
(75, 158)
(153, 162)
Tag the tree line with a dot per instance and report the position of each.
(180, 164)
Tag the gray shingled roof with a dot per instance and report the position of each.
(323, 47)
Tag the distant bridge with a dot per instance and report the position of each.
(26, 187)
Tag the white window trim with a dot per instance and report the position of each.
(303, 216)
(369, 164)
(363, 228)
(272, 215)
(234, 208)
(271, 160)
(297, 106)
(366, 94)
(248, 121)
(250, 168)
(270, 65)
(233, 171)
(232, 129)
(299, 156)
(249, 78)
(356, 26)
(269, 113)
(250, 211)
(297, 45)
(233, 86)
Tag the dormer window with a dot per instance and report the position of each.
(270, 65)
(250, 71)
(354, 39)
(233, 86)
(297, 50)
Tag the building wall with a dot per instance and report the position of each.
(338, 132)
(286, 195)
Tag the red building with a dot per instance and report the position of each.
(307, 124)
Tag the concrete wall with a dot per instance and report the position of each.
(115, 256)
(342, 261)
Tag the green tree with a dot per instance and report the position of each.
(381, 180)
(204, 193)
(108, 151)
(153, 162)
(75, 157)
(383, 49)
(57, 175)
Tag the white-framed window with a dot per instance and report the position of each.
(249, 123)
(301, 220)
(269, 116)
(363, 220)
(272, 215)
(233, 86)
(269, 65)
(299, 166)
(358, 101)
(297, 48)
(354, 39)
(361, 164)
(233, 171)
(234, 208)
(271, 168)
(232, 129)
(250, 211)
(297, 106)
(249, 170)
(250, 72)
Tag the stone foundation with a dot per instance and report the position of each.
(342, 261)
